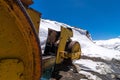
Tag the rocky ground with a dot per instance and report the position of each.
(68, 73)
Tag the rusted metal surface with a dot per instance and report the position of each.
(18, 42)
(35, 17)
(52, 42)
(73, 50)
(14, 71)
(48, 62)
(27, 2)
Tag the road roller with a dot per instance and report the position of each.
(21, 57)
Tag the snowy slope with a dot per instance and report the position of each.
(110, 44)
(95, 62)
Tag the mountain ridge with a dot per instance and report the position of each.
(113, 43)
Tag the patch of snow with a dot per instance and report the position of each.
(99, 67)
(110, 44)
(89, 76)
(110, 41)
(83, 79)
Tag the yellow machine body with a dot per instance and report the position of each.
(75, 51)
(60, 45)
(35, 17)
(73, 47)
(64, 36)
(20, 53)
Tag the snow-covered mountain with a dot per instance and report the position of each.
(110, 44)
(96, 63)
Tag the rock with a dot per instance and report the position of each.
(112, 76)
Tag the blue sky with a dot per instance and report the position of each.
(100, 17)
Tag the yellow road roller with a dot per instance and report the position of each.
(20, 51)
